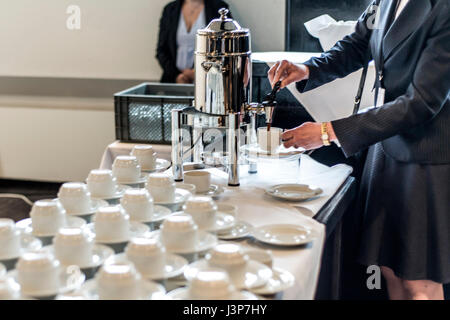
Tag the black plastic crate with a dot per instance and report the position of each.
(143, 113)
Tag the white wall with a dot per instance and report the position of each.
(53, 144)
(117, 39)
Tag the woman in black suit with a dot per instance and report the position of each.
(177, 30)
(405, 187)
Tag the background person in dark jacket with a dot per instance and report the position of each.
(179, 23)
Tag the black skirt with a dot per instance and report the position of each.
(406, 221)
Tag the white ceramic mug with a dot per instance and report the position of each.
(47, 216)
(145, 155)
(212, 284)
(74, 246)
(179, 232)
(228, 256)
(118, 281)
(101, 183)
(38, 274)
(201, 179)
(148, 255)
(138, 203)
(9, 239)
(227, 208)
(203, 210)
(75, 197)
(162, 187)
(269, 140)
(112, 224)
(126, 168)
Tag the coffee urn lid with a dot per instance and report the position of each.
(223, 25)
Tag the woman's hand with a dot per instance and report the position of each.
(308, 136)
(287, 72)
(181, 78)
(189, 74)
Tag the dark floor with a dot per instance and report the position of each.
(18, 209)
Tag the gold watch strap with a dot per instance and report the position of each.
(324, 131)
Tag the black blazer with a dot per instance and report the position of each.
(414, 122)
(166, 51)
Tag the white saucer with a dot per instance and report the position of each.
(149, 290)
(137, 229)
(27, 243)
(293, 192)
(174, 266)
(206, 242)
(186, 186)
(281, 152)
(141, 180)
(284, 234)
(161, 165)
(181, 195)
(183, 294)
(95, 204)
(69, 280)
(120, 191)
(27, 228)
(214, 191)
(280, 281)
(240, 230)
(159, 213)
(99, 255)
(254, 275)
(224, 221)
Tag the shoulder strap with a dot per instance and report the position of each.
(360, 89)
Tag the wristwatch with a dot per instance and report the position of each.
(325, 137)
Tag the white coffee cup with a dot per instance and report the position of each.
(126, 168)
(101, 183)
(201, 179)
(228, 256)
(112, 224)
(118, 281)
(227, 208)
(74, 246)
(179, 232)
(9, 239)
(75, 197)
(162, 187)
(38, 274)
(211, 284)
(138, 203)
(148, 255)
(203, 210)
(145, 155)
(47, 216)
(269, 140)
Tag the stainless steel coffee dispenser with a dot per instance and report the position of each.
(223, 73)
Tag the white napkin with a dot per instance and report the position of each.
(328, 30)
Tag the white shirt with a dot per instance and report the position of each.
(186, 41)
(400, 8)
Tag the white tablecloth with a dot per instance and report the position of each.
(255, 207)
